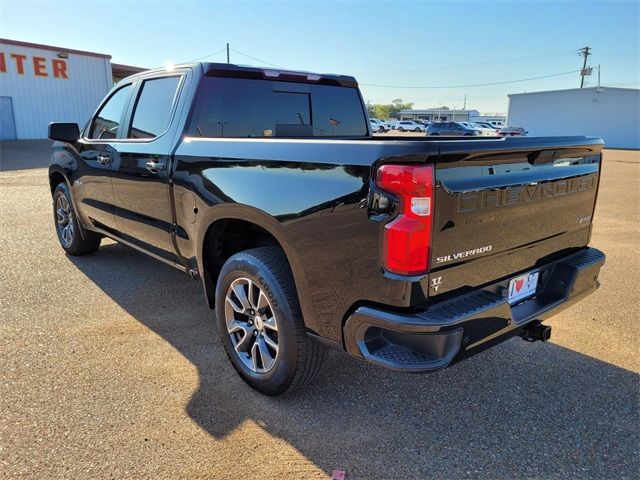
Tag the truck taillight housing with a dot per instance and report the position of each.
(407, 239)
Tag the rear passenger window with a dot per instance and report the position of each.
(105, 125)
(235, 107)
(152, 112)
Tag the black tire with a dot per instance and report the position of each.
(401, 129)
(416, 129)
(81, 241)
(299, 358)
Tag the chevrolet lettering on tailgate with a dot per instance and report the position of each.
(517, 194)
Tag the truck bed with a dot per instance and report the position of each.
(321, 202)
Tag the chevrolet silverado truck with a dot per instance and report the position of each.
(309, 233)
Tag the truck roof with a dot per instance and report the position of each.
(273, 73)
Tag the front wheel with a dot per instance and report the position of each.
(416, 130)
(401, 129)
(260, 322)
(74, 239)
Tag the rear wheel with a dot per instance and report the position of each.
(416, 129)
(260, 322)
(74, 239)
(401, 129)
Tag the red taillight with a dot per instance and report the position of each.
(407, 239)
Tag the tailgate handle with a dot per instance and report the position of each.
(543, 156)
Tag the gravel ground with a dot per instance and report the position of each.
(111, 368)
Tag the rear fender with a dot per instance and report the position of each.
(259, 218)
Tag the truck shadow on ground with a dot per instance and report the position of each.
(518, 410)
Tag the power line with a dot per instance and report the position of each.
(488, 97)
(207, 56)
(470, 85)
(442, 99)
(465, 65)
(254, 58)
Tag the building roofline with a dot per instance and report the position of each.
(52, 48)
(416, 110)
(126, 69)
(602, 87)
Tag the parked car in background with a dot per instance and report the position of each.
(486, 131)
(488, 126)
(424, 123)
(378, 125)
(410, 126)
(512, 132)
(392, 123)
(456, 129)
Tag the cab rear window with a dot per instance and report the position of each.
(246, 108)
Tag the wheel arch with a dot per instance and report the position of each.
(219, 218)
(60, 174)
(56, 177)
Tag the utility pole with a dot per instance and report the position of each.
(585, 53)
(465, 102)
(598, 76)
(228, 53)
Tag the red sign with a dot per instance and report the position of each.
(56, 68)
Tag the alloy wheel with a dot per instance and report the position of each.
(251, 325)
(64, 218)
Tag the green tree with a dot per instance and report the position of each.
(388, 110)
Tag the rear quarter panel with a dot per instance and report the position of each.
(316, 208)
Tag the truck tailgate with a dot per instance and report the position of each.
(496, 200)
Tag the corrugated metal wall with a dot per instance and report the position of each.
(38, 100)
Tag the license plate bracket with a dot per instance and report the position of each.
(523, 286)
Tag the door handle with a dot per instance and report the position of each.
(155, 167)
(104, 158)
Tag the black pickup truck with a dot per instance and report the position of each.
(307, 232)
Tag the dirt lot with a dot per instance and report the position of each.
(111, 368)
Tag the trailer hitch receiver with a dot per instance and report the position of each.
(535, 331)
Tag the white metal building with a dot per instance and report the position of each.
(41, 84)
(437, 115)
(607, 112)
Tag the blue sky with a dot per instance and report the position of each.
(451, 44)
